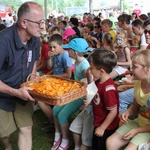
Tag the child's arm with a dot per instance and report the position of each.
(87, 74)
(110, 117)
(128, 62)
(132, 110)
(133, 132)
(67, 73)
(50, 72)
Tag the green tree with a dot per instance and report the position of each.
(57, 4)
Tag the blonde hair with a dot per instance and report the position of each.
(107, 22)
(44, 38)
(122, 33)
(141, 57)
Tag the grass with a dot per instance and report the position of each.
(41, 140)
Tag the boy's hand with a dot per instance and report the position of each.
(99, 131)
(85, 102)
(51, 54)
(130, 134)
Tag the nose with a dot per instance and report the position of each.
(42, 26)
(52, 49)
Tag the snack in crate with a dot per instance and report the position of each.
(54, 86)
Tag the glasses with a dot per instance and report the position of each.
(95, 27)
(39, 23)
(147, 31)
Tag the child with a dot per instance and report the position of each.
(42, 64)
(106, 26)
(107, 41)
(135, 43)
(106, 102)
(61, 60)
(135, 132)
(82, 126)
(123, 55)
(77, 47)
(54, 30)
(61, 66)
(68, 32)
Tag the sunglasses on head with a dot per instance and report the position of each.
(147, 31)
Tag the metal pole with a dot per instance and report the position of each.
(45, 8)
(121, 5)
(52, 4)
(91, 6)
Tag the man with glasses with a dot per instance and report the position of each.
(19, 51)
(147, 32)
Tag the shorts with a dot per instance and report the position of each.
(137, 139)
(10, 121)
(83, 124)
(120, 70)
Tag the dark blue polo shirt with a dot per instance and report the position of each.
(16, 63)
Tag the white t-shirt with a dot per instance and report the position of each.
(143, 40)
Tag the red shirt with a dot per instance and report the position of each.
(44, 55)
(106, 99)
(148, 47)
(137, 11)
(133, 49)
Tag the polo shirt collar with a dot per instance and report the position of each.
(18, 41)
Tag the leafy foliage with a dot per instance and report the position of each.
(51, 4)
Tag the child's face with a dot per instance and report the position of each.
(105, 28)
(94, 71)
(135, 41)
(120, 40)
(120, 24)
(87, 30)
(71, 53)
(55, 47)
(138, 71)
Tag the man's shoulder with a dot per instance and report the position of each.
(7, 33)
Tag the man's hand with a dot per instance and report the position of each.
(23, 93)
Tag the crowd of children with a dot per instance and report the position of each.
(109, 53)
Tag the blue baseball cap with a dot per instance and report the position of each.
(77, 44)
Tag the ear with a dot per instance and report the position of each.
(23, 23)
(102, 71)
